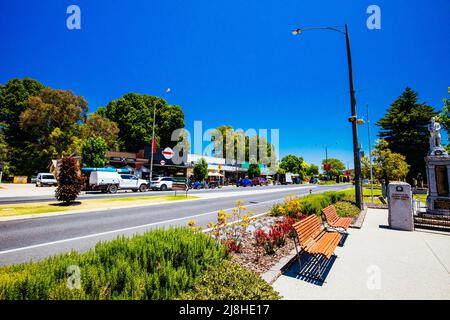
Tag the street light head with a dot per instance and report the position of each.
(296, 32)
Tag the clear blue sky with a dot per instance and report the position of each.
(236, 62)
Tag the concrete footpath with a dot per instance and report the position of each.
(376, 262)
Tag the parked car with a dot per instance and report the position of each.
(314, 180)
(161, 183)
(46, 179)
(198, 185)
(129, 181)
(244, 183)
(260, 181)
(112, 181)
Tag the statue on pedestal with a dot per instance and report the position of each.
(435, 138)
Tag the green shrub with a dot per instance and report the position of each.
(229, 281)
(310, 204)
(346, 209)
(277, 210)
(160, 264)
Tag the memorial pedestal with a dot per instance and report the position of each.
(438, 174)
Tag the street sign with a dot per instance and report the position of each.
(162, 162)
(168, 153)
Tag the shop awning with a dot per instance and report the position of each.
(214, 174)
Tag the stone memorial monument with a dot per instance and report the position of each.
(438, 173)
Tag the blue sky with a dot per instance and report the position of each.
(236, 62)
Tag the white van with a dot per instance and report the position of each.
(106, 181)
(45, 179)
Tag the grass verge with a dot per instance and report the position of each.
(8, 210)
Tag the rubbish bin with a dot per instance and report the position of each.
(400, 206)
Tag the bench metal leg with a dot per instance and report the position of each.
(320, 266)
(298, 256)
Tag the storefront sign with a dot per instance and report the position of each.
(20, 179)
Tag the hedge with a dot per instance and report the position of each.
(229, 281)
(310, 204)
(160, 264)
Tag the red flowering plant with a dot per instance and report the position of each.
(276, 235)
(263, 240)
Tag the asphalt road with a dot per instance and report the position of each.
(30, 198)
(37, 238)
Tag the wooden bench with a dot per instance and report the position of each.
(315, 240)
(334, 221)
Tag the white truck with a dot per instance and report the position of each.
(113, 181)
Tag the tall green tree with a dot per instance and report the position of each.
(97, 125)
(133, 114)
(291, 163)
(4, 156)
(337, 167)
(14, 97)
(444, 117)
(404, 127)
(201, 170)
(235, 140)
(53, 118)
(313, 170)
(93, 152)
(254, 170)
(388, 165)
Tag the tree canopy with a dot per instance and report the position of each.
(292, 164)
(255, 148)
(404, 128)
(14, 96)
(254, 170)
(444, 116)
(388, 165)
(201, 170)
(97, 125)
(53, 119)
(337, 166)
(133, 114)
(93, 153)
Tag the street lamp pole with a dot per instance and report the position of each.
(354, 120)
(356, 153)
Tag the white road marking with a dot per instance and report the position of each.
(124, 229)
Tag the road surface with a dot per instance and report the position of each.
(37, 238)
(29, 193)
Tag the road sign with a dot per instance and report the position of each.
(162, 162)
(167, 153)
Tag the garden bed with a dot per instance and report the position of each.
(254, 257)
(259, 244)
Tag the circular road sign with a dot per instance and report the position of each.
(162, 162)
(167, 153)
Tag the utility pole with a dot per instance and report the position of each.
(153, 139)
(151, 146)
